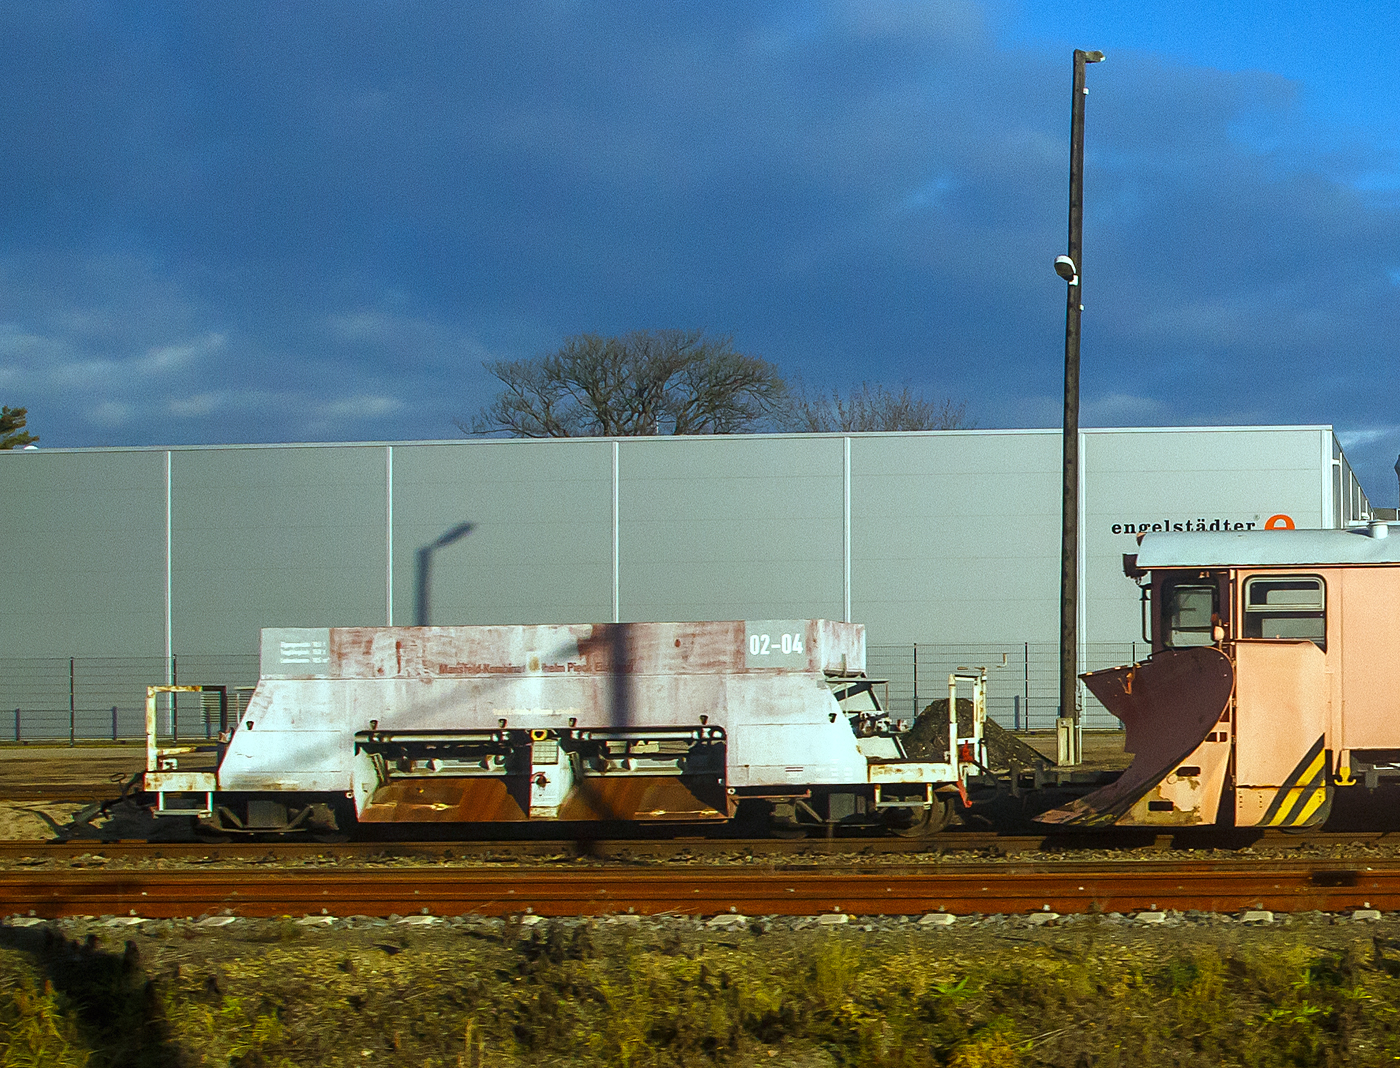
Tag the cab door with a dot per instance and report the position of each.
(1282, 705)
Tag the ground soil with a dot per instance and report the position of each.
(30, 821)
(1103, 750)
(83, 772)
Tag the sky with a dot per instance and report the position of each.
(313, 222)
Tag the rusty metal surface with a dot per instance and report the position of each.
(1168, 705)
(481, 799)
(692, 842)
(963, 889)
(645, 798)
(780, 719)
(446, 799)
(597, 649)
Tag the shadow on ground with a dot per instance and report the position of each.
(113, 1005)
(117, 821)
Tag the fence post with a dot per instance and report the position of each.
(17, 724)
(1027, 690)
(916, 680)
(72, 707)
(114, 723)
(174, 704)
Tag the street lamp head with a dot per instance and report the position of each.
(1092, 57)
(1064, 267)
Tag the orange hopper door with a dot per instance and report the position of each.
(1170, 706)
(1282, 708)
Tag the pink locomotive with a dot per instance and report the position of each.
(1274, 679)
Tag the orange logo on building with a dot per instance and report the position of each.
(1279, 522)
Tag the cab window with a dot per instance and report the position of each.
(1286, 606)
(1191, 610)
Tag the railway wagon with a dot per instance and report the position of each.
(1274, 679)
(657, 722)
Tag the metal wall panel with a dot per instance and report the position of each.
(731, 528)
(1136, 478)
(274, 537)
(83, 566)
(540, 550)
(955, 536)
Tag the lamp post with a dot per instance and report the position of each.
(1070, 267)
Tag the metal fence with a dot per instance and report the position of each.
(1023, 678)
(71, 699)
(83, 698)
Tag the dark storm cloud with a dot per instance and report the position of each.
(253, 222)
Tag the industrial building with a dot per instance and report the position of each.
(944, 540)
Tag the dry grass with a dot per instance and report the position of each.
(277, 995)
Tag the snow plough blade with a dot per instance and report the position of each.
(1170, 706)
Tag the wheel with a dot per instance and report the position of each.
(920, 822)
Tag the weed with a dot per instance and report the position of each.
(561, 994)
(37, 1029)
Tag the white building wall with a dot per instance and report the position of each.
(941, 537)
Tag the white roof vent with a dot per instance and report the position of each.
(1379, 528)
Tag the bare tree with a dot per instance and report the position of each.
(12, 432)
(872, 407)
(643, 383)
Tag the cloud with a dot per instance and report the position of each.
(164, 359)
(111, 413)
(195, 407)
(361, 408)
(1360, 437)
(1123, 409)
(258, 218)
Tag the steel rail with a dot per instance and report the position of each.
(433, 851)
(670, 848)
(1228, 886)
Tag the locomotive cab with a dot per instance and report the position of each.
(1272, 680)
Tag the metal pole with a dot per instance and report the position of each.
(1067, 733)
(1027, 685)
(72, 707)
(916, 680)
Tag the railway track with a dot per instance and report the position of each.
(625, 848)
(1222, 886)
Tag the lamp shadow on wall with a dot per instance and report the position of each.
(423, 585)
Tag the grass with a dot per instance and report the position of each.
(1085, 997)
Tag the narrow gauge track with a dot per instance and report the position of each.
(685, 848)
(1008, 887)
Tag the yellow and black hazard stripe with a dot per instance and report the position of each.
(1305, 798)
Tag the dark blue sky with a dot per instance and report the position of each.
(314, 221)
